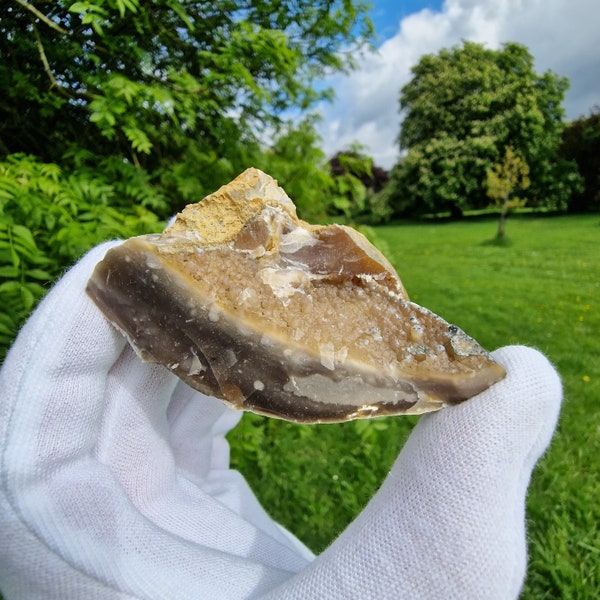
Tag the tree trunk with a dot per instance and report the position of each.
(502, 220)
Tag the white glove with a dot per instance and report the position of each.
(115, 483)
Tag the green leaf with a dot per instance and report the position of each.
(139, 140)
(38, 274)
(121, 7)
(9, 272)
(95, 22)
(8, 330)
(35, 289)
(79, 7)
(27, 297)
(14, 257)
(10, 287)
(23, 236)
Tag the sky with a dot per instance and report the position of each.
(563, 36)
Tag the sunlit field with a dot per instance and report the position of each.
(541, 289)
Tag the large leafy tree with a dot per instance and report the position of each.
(177, 87)
(462, 109)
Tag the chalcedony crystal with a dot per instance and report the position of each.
(245, 302)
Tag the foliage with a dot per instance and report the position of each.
(349, 195)
(503, 181)
(358, 185)
(581, 143)
(171, 86)
(462, 108)
(543, 292)
(49, 217)
(444, 174)
(354, 161)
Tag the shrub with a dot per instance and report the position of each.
(50, 217)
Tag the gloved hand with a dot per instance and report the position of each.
(115, 482)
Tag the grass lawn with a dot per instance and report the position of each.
(542, 290)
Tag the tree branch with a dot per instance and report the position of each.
(45, 62)
(43, 17)
(54, 83)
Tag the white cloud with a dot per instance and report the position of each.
(561, 35)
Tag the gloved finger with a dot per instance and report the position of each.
(187, 425)
(197, 428)
(449, 520)
(155, 428)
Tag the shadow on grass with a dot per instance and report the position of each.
(500, 242)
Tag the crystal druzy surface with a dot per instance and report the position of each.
(245, 302)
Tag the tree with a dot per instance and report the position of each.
(462, 109)
(581, 143)
(353, 161)
(171, 86)
(358, 187)
(503, 182)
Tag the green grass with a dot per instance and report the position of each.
(542, 289)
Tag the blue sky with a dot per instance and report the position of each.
(562, 35)
(386, 14)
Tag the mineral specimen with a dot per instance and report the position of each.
(244, 301)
